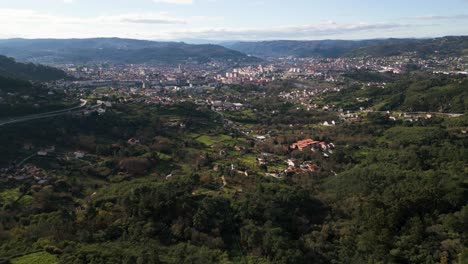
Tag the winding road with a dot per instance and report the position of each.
(43, 115)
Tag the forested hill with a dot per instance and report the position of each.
(414, 93)
(13, 85)
(448, 46)
(10, 69)
(115, 50)
(22, 91)
(341, 48)
(300, 49)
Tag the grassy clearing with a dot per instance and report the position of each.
(25, 201)
(248, 160)
(10, 195)
(164, 156)
(363, 153)
(36, 258)
(205, 191)
(277, 167)
(209, 140)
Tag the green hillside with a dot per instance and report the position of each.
(412, 93)
(115, 50)
(11, 69)
(447, 46)
(22, 91)
(453, 46)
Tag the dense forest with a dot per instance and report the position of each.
(115, 50)
(22, 91)
(416, 92)
(301, 49)
(11, 69)
(448, 46)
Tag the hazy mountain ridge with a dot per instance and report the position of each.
(450, 46)
(342, 48)
(115, 50)
(297, 48)
(118, 50)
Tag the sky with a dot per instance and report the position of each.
(226, 20)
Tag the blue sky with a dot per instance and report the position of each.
(233, 20)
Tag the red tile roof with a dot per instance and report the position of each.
(304, 144)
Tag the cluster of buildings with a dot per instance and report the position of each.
(27, 173)
(217, 74)
(305, 97)
(296, 166)
(313, 145)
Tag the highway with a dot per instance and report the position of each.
(42, 115)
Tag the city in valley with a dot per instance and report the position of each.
(291, 135)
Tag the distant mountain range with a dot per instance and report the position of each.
(10, 69)
(450, 46)
(343, 48)
(313, 48)
(115, 50)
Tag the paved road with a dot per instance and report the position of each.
(26, 159)
(43, 115)
(424, 113)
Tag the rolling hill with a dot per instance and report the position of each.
(343, 48)
(115, 50)
(22, 91)
(448, 46)
(10, 69)
(416, 92)
(302, 49)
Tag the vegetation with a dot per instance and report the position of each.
(416, 92)
(301, 49)
(189, 187)
(20, 92)
(115, 50)
(11, 69)
(450, 46)
(39, 258)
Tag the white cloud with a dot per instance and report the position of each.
(34, 24)
(20, 17)
(177, 2)
(454, 17)
(144, 18)
(312, 31)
